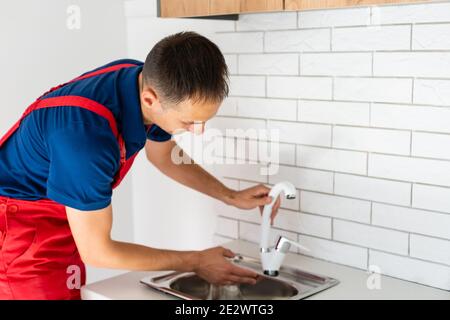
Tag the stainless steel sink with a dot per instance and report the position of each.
(290, 284)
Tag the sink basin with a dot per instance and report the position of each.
(290, 284)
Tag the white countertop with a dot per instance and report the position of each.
(352, 282)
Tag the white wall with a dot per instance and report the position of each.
(38, 51)
(361, 97)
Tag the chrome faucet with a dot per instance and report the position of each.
(272, 257)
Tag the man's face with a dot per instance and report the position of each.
(186, 116)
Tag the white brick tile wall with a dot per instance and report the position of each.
(251, 232)
(361, 99)
(302, 133)
(227, 227)
(220, 240)
(245, 42)
(372, 189)
(334, 18)
(412, 64)
(297, 41)
(412, 220)
(252, 86)
(428, 171)
(224, 123)
(371, 38)
(267, 108)
(299, 87)
(287, 154)
(228, 107)
(431, 37)
(431, 145)
(371, 237)
(373, 89)
(264, 153)
(334, 206)
(411, 269)
(431, 249)
(435, 92)
(304, 223)
(431, 198)
(267, 21)
(416, 13)
(231, 60)
(305, 178)
(270, 64)
(373, 140)
(334, 251)
(247, 171)
(332, 159)
(435, 119)
(349, 113)
(336, 64)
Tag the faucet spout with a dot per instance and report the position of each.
(272, 257)
(290, 193)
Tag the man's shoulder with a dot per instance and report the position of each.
(118, 62)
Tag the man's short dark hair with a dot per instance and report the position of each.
(187, 65)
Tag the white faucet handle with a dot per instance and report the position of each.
(283, 244)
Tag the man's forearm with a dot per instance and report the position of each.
(197, 178)
(122, 255)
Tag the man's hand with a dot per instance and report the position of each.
(216, 269)
(257, 196)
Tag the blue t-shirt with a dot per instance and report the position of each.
(70, 155)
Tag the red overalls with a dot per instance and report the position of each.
(38, 255)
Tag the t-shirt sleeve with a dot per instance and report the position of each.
(83, 163)
(155, 133)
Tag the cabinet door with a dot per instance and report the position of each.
(242, 6)
(184, 8)
(261, 5)
(322, 4)
(224, 6)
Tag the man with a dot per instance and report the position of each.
(61, 160)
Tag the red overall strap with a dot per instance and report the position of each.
(85, 103)
(92, 74)
(100, 109)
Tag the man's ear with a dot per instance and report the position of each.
(151, 99)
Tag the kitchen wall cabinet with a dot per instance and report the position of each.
(323, 4)
(205, 8)
(183, 8)
(242, 6)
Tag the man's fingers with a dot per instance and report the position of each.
(260, 190)
(236, 279)
(228, 253)
(263, 201)
(242, 272)
(275, 208)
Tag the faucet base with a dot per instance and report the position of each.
(271, 273)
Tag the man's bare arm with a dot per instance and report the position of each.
(194, 176)
(189, 174)
(92, 233)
